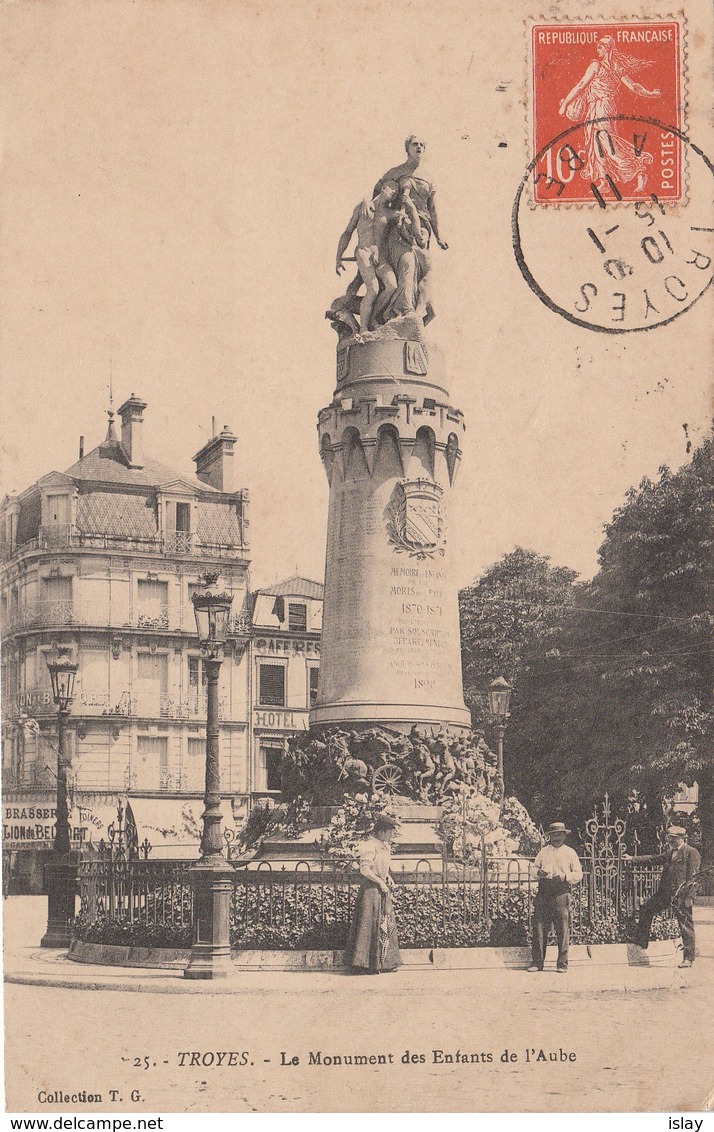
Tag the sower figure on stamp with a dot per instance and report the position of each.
(558, 868)
(679, 864)
(593, 100)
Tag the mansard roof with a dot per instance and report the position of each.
(107, 463)
(295, 587)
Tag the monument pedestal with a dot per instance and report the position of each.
(416, 843)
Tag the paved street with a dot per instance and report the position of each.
(628, 1056)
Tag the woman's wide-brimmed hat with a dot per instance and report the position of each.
(557, 827)
(385, 822)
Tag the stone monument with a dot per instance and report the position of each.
(390, 442)
(390, 717)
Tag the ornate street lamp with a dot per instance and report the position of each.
(499, 694)
(212, 876)
(61, 873)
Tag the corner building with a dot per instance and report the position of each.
(104, 559)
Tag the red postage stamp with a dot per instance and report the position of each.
(599, 86)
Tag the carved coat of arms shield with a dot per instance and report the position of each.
(414, 519)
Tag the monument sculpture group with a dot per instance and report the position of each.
(390, 714)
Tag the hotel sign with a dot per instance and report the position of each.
(281, 720)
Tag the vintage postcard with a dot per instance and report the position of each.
(354, 546)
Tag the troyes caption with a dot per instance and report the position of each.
(329, 1058)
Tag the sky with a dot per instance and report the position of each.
(176, 176)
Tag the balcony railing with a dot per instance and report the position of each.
(68, 612)
(155, 618)
(239, 624)
(179, 542)
(170, 543)
(172, 780)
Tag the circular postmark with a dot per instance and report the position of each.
(623, 260)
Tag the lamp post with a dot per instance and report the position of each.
(212, 876)
(61, 873)
(499, 694)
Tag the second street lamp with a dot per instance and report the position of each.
(212, 612)
(212, 876)
(499, 694)
(61, 877)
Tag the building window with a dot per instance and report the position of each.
(153, 612)
(12, 675)
(94, 678)
(56, 606)
(153, 681)
(297, 618)
(272, 685)
(57, 589)
(313, 677)
(196, 686)
(196, 749)
(153, 768)
(271, 755)
(195, 765)
(183, 517)
(58, 510)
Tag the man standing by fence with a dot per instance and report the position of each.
(557, 868)
(680, 862)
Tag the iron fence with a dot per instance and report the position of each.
(115, 890)
(310, 903)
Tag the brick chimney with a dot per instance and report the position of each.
(214, 463)
(132, 421)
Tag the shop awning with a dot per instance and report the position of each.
(94, 822)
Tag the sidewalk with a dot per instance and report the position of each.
(615, 969)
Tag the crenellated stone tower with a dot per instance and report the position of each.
(390, 442)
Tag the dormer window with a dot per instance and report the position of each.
(297, 617)
(179, 524)
(58, 510)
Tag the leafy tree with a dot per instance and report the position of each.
(512, 618)
(509, 615)
(617, 694)
(656, 570)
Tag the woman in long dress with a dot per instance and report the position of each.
(594, 97)
(373, 944)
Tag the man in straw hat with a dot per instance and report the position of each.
(557, 868)
(679, 864)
